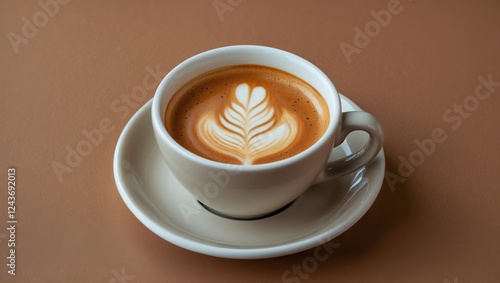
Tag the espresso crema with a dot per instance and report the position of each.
(246, 114)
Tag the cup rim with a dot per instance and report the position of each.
(161, 131)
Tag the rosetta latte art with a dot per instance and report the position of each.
(249, 127)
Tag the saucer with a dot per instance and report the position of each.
(159, 201)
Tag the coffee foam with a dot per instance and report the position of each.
(250, 127)
(246, 114)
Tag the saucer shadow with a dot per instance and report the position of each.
(391, 208)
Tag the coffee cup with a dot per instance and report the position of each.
(256, 144)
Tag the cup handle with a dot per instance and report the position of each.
(354, 121)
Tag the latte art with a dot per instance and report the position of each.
(250, 126)
(246, 114)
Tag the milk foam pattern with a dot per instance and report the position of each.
(249, 127)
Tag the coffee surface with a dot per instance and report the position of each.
(246, 114)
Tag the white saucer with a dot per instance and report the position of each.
(157, 199)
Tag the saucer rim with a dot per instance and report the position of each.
(179, 239)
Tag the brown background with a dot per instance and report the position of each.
(440, 225)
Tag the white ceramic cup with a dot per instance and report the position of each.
(253, 191)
